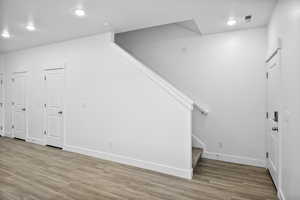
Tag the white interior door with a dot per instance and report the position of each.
(54, 107)
(1, 105)
(19, 121)
(274, 108)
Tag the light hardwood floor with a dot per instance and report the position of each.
(34, 172)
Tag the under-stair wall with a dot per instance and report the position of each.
(115, 109)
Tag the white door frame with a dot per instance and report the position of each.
(59, 67)
(3, 104)
(26, 103)
(276, 54)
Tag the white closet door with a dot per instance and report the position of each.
(54, 107)
(19, 121)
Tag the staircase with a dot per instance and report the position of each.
(196, 155)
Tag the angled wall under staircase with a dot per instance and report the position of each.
(197, 146)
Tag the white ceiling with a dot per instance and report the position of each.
(55, 21)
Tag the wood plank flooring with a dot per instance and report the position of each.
(34, 172)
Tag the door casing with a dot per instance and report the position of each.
(2, 104)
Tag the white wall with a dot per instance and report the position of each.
(224, 71)
(113, 110)
(285, 24)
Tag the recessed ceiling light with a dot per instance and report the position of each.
(5, 34)
(79, 12)
(231, 22)
(30, 27)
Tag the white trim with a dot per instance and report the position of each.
(201, 108)
(190, 142)
(35, 141)
(3, 100)
(198, 142)
(183, 173)
(280, 194)
(235, 159)
(179, 96)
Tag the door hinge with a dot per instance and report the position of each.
(1, 128)
(12, 126)
(45, 78)
(267, 115)
(267, 154)
(45, 105)
(1, 82)
(45, 132)
(267, 75)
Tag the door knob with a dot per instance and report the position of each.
(23, 109)
(60, 112)
(275, 129)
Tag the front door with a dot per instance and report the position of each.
(54, 107)
(274, 115)
(19, 122)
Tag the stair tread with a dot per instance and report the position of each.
(196, 155)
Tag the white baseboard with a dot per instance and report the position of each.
(35, 141)
(235, 159)
(183, 173)
(280, 194)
